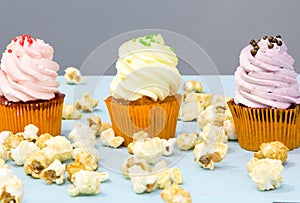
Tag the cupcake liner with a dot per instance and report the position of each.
(46, 115)
(255, 126)
(156, 118)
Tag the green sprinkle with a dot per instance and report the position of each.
(134, 39)
(148, 44)
(171, 48)
(155, 35)
(151, 40)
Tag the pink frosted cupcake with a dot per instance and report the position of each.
(28, 87)
(266, 102)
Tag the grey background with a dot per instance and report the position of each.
(222, 28)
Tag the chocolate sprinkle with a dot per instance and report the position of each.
(279, 43)
(271, 46)
(253, 52)
(278, 36)
(265, 37)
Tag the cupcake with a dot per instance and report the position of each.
(265, 107)
(144, 91)
(28, 87)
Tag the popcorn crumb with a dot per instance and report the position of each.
(266, 173)
(22, 151)
(273, 150)
(69, 112)
(11, 187)
(175, 194)
(187, 141)
(55, 173)
(85, 182)
(87, 103)
(73, 76)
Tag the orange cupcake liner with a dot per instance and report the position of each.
(46, 115)
(157, 118)
(255, 126)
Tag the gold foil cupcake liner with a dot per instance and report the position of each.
(157, 119)
(46, 115)
(255, 126)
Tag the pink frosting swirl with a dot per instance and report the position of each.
(28, 71)
(268, 78)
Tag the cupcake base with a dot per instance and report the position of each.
(45, 114)
(255, 126)
(157, 118)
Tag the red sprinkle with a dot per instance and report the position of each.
(9, 51)
(15, 39)
(30, 41)
(21, 43)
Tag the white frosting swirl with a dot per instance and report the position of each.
(146, 67)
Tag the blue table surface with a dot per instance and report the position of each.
(229, 182)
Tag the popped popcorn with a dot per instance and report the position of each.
(273, 150)
(13, 141)
(265, 173)
(58, 147)
(187, 141)
(169, 176)
(192, 85)
(175, 194)
(82, 135)
(22, 151)
(144, 183)
(105, 126)
(73, 168)
(133, 166)
(69, 112)
(168, 146)
(87, 103)
(2, 164)
(212, 134)
(11, 187)
(3, 152)
(95, 124)
(4, 135)
(73, 76)
(30, 132)
(194, 104)
(90, 162)
(54, 173)
(108, 138)
(150, 150)
(207, 154)
(85, 182)
(140, 135)
(36, 163)
(42, 139)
